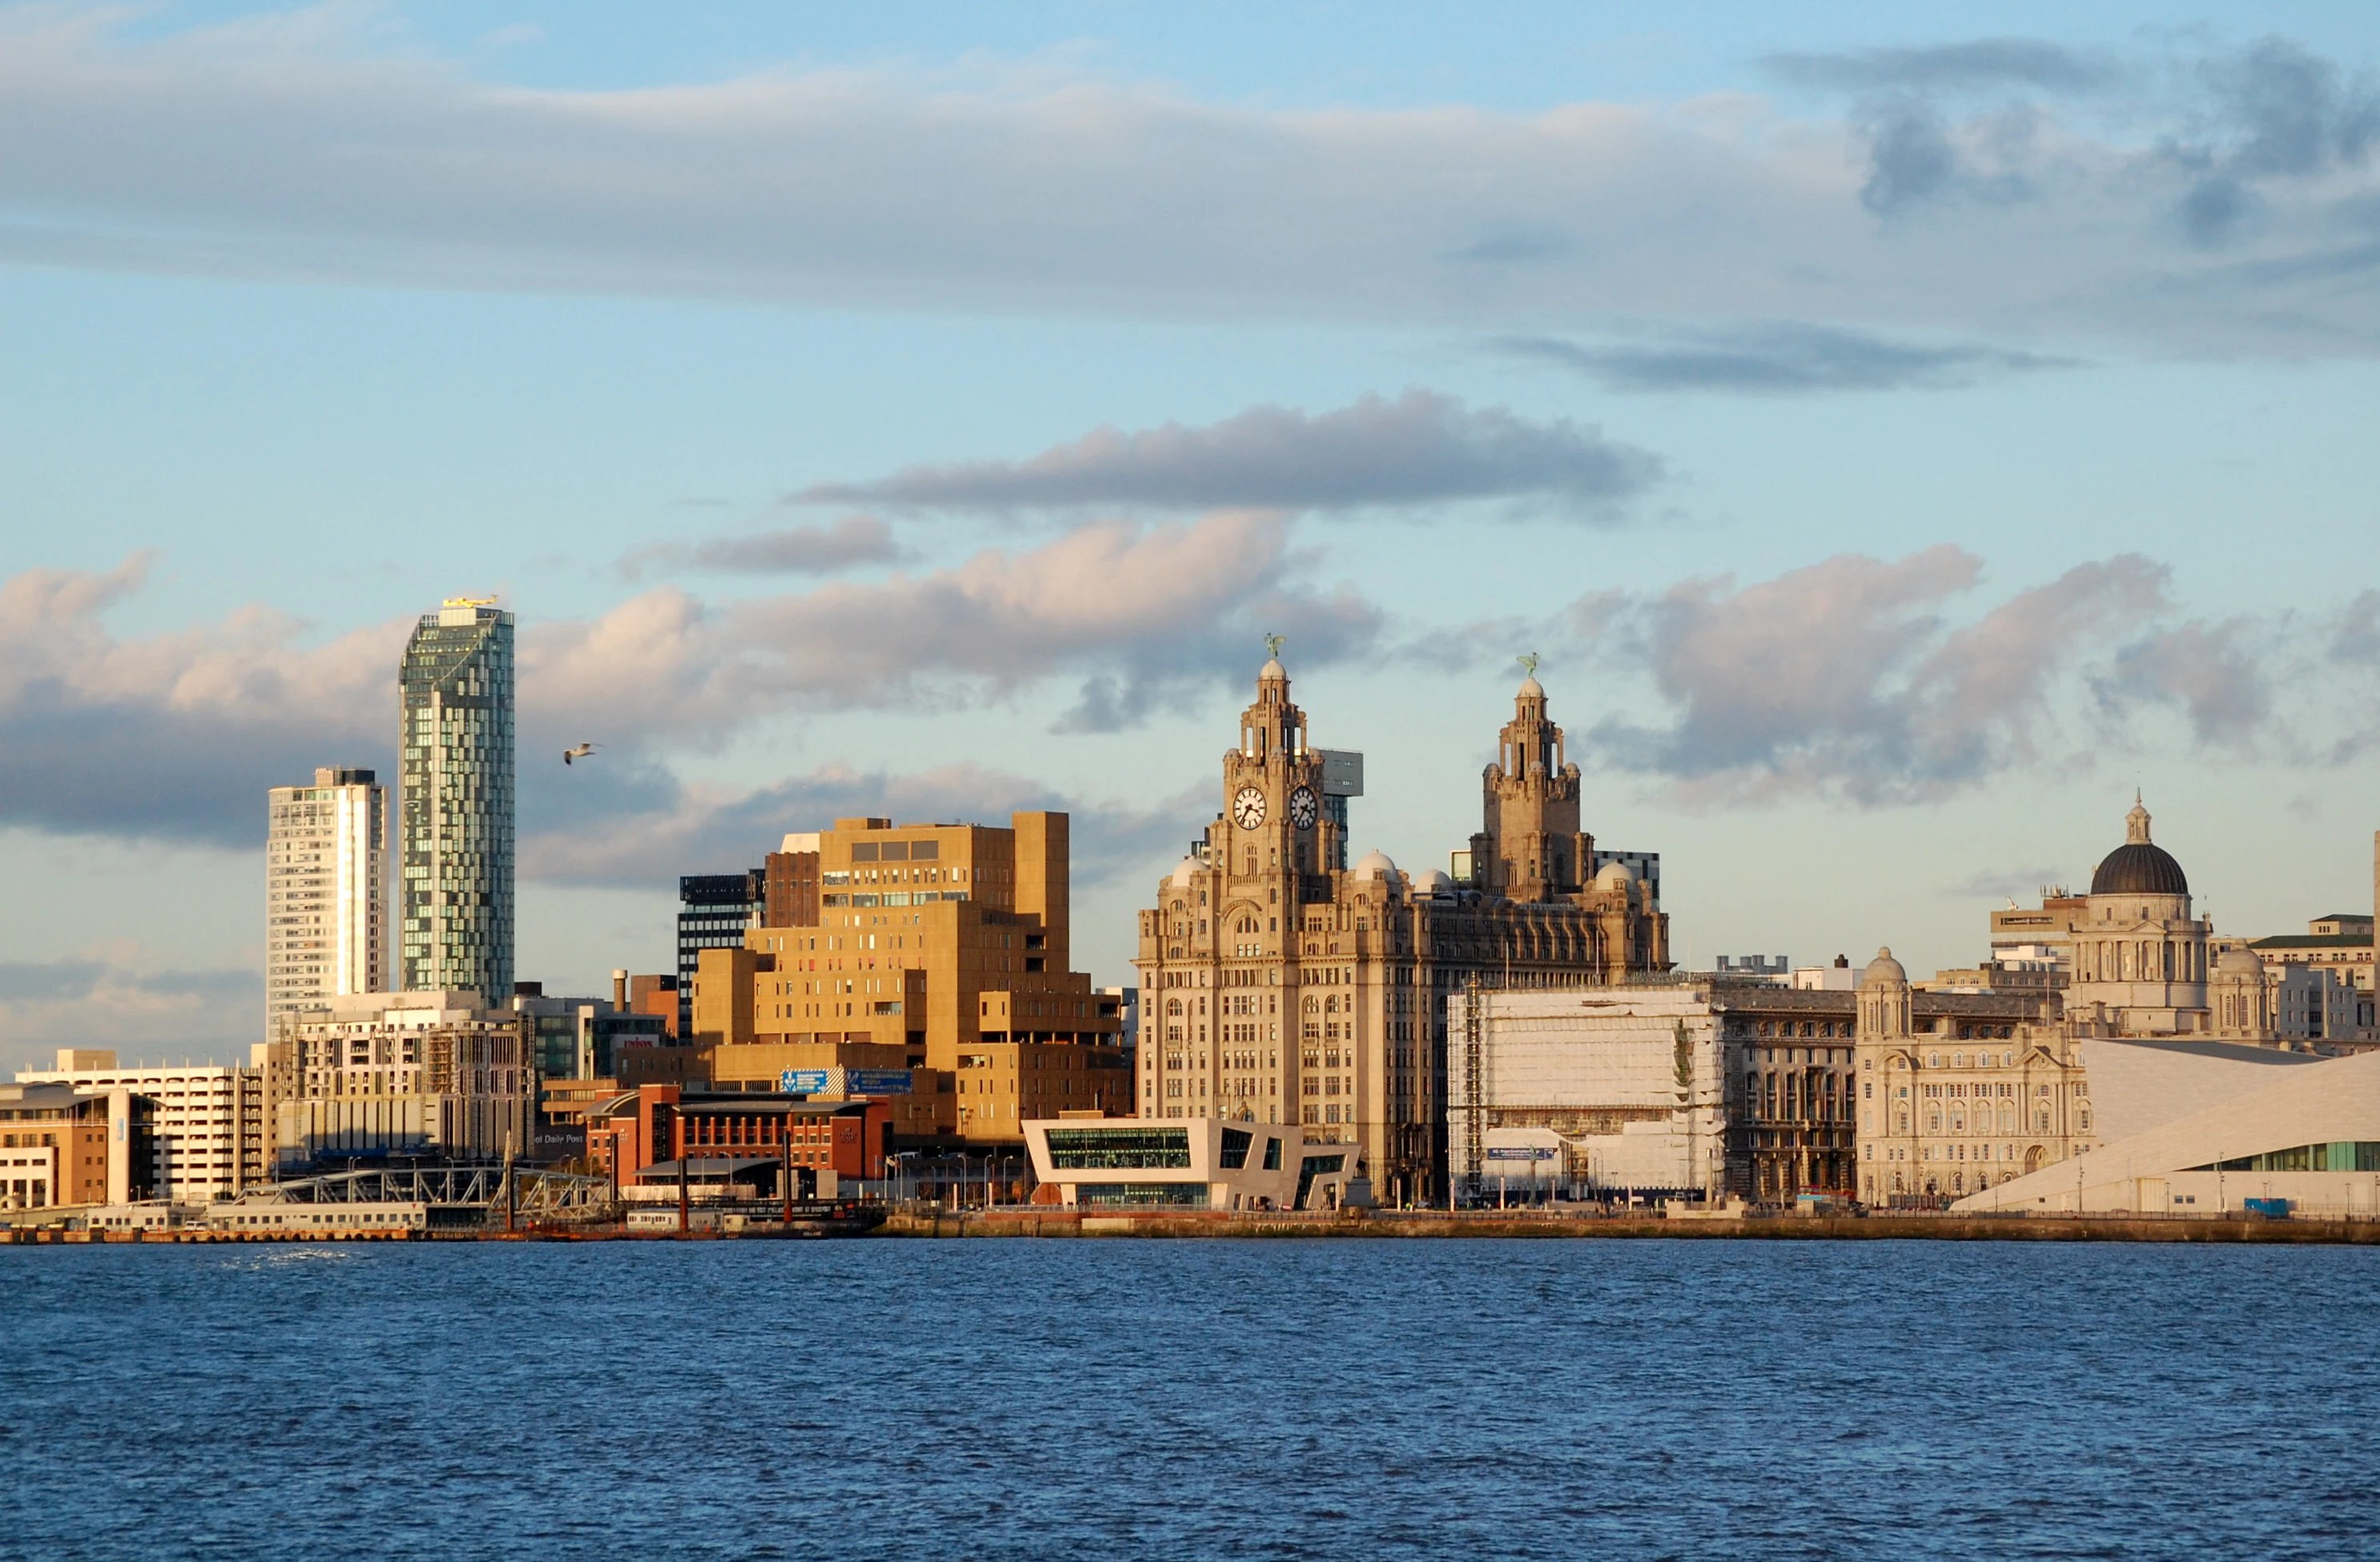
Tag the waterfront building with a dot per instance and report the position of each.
(2140, 958)
(455, 890)
(1199, 1163)
(952, 943)
(1700, 1085)
(325, 890)
(1960, 1092)
(639, 1135)
(2208, 1128)
(1279, 987)
(62, 1146)
(209, 1120)
(438, 1075)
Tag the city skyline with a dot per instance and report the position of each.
(1986, 444)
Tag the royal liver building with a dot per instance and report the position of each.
(1278, 986)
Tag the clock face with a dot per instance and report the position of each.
(1304, 809)
(1249, 808)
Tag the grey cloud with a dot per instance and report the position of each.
(1419, 448)
(177, 735)
(847, 542)
(2278, 113)
(1782, 357)
(1846, 679)
(1910, 157)
(2214, 673)
(312, 150)
(652, 847)
(1982, 61)
(90, 1002)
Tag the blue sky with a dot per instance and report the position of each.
(1900, 440)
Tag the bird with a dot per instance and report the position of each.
(571, 756)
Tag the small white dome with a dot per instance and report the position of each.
(1429, 881)
(1375, 865)
(1531, 689)
(1614, 875)
(1272, 670)
(1884, 968)
(1183, 872)
(2240, 962)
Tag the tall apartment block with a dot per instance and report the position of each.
(455, 892)
(325, 884)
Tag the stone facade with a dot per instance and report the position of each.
(1277, 987)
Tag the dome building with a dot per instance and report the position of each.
(2140, 957)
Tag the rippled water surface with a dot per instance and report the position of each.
(1123, 1398)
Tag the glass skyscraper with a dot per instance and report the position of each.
(454, 894)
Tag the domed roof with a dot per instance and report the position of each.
(1183, 872)
(1429, 881)
(2241, 961)
(1375, 865)
(1272, 670)
(1884, 968)
(2138, 866)
(1612, 875)
(1531, 689)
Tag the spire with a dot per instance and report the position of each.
(2136, 823)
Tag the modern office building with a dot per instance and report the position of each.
(211, 1130)
(1202, 1164)
(714, 910)
(325, 891)
(454, 888)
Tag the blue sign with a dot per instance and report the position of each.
(1522, 1153)
(803, 1081)
(878, 1081)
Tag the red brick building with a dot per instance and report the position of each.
(659, 1123)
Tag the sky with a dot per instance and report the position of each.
(1900, 432)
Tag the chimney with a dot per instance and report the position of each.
(620, 991)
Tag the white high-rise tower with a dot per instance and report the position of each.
(325, 884)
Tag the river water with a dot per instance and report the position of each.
(1118, 1398)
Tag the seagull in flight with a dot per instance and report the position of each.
(572, 756)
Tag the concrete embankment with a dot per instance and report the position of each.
(1418, 1224)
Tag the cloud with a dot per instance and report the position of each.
(730, 828)
(2277, 114)
(1847, 678)
(846, 543)
(1421, 449)
(1141, 614)
(177, 735)
(1982, 61)
(1781, 357)
(98, 1000)
(319, 148)
(2215, 673)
